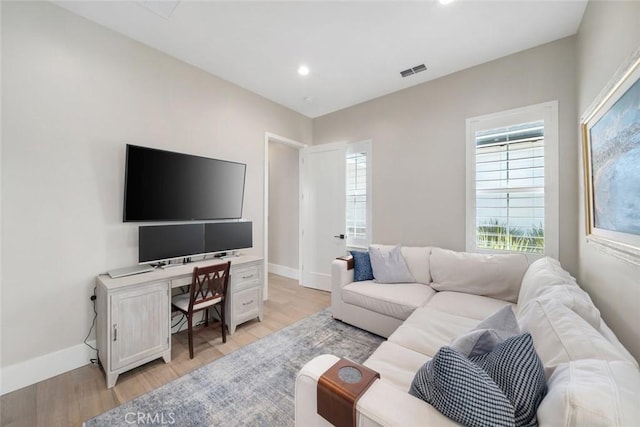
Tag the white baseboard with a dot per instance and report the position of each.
(40, 368)
(281, 270)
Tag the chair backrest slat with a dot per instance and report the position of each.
(208, 283)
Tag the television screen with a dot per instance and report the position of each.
(227, 236)
(164, 242)
(166, 186)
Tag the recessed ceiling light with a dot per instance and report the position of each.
(308, 99)
(446, 1)
(163, 8)
(303, 70)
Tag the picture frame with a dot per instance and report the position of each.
(611, 158)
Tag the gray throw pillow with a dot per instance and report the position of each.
(517, 369)
(462, 391)
(500, 388)
(489, 333)
(389, 266)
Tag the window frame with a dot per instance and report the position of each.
(352, 148)
(548, 112)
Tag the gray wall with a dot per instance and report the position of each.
(419, 144)
(74, 94)
(608, 35)
(284, 183)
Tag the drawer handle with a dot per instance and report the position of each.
(247, 303)
(247, 277)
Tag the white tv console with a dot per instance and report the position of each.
(134, 312)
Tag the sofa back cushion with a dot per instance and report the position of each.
(572, 297)
(560, 335)
(592, 393)
(545, 280)
(541, 273)
(496, 276)
(417, 259)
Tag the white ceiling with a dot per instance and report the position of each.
(354, 49)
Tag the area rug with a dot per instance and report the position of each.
(253, 386)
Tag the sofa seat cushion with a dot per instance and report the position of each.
(396, 300)
(560, 335)
(426, 330)
(592, 393)
(474, 306)
(396, 364)
(497, 276)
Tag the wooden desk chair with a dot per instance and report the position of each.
(208, 290)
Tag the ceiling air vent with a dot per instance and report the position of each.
(410, 71)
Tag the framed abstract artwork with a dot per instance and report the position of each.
(611, 152)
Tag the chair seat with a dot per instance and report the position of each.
(182, 302)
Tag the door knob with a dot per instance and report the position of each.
(340, 236)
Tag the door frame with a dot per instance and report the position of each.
(272, 137)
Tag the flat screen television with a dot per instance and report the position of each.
(163, 185)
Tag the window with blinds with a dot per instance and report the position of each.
(356, 207)
(509, 188)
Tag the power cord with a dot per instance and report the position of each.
(180, 321)
(93, 324)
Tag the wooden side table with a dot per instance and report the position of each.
(339, 389)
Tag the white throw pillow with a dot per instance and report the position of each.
(389, 266)
(592, 393)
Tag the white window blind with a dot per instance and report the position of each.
(510, 185)
(356, 208)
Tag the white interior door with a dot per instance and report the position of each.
(322, 212)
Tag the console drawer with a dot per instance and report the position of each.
(246, 304)
(245, 278)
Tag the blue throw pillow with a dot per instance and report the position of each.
(361, 266)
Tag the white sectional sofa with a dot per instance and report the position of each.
(592, 379)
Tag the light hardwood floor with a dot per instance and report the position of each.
(75, 396)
